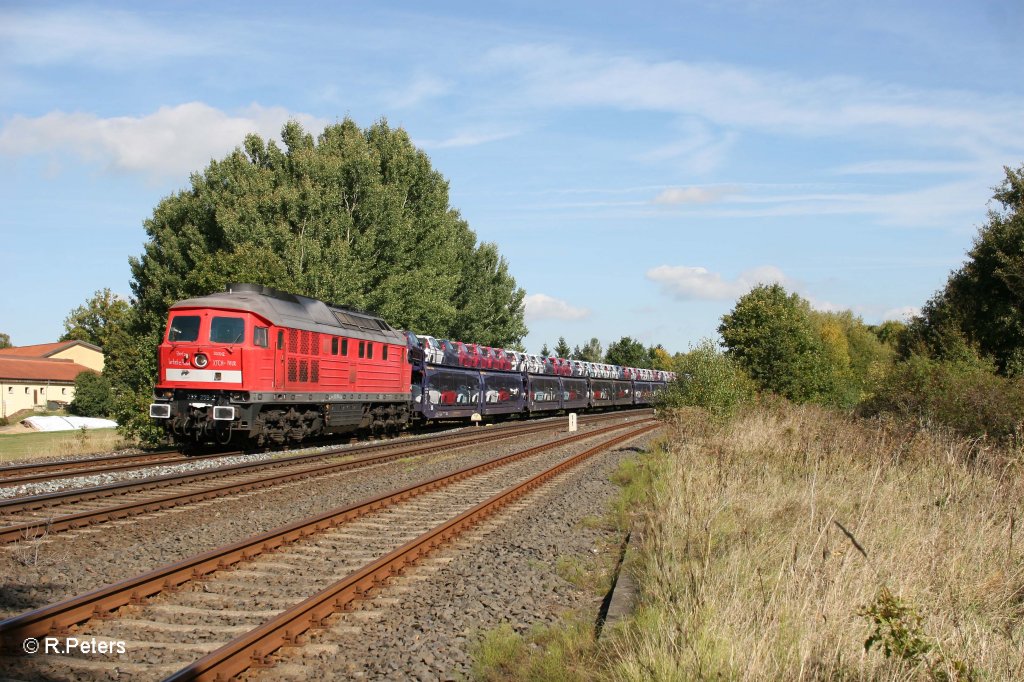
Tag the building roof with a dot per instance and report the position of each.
(39, 369)
(45, 350)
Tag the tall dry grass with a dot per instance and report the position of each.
(777, 544)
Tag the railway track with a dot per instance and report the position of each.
(41, 472)
(38, 472)
(33, 517)
(233, 607)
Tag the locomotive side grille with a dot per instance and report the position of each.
(315, 371)
(293, 374)
(303, 370)
(293, 340)
(314, 345)
(304, 343)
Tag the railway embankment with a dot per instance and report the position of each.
(800, 543)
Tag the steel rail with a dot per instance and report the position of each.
(39, 527)
(21, 470)
(137, 463)
(254, 647)
(56, 618)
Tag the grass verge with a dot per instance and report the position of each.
(14, 447)
(796, 543)
(799, 543)
(569, 651)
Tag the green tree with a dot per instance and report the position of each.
(889, 332)
(544, 351)
(93, 397)
(660, 358)
(967, 396)
(92, 322)
(770, 333)
(562, 348)
(355, 217)
(627, 352)
(981, 307)
(855, 357)
(591, 352)
(5, 340)
(710, 379)
(489, 305)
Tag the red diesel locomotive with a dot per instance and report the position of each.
(270, 367)
(261, 366)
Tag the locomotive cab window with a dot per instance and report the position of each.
(334, 346)
(369, 350)
(259, 337)
(384, 353)
(344, 346)
(184, 328)
(280, 339)
(227, 330)
(362, 349)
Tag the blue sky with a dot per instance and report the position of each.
(640, 165)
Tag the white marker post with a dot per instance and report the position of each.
(476, 419)
(572, 422)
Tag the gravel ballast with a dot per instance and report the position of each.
(424, 625)
(40, 572)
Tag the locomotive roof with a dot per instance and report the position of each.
(298, 312)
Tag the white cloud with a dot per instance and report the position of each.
(763, 100)
(700, 284)
(690, 195)
(422, 89)
(699, 148)
(901, 314)
(544, 307)
(173, 140)
(948, 204)
(466, 139)
(93, 35)
(912, 167)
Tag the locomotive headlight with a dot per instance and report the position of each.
(200, 360)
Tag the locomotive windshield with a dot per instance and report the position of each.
(184, 328)
(227, 330)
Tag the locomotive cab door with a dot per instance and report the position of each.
(279, 360)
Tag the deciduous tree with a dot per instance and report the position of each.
(93, 321)
(982, 305)
(92, 396)
(771, 335)
(627, 353)
(354, 217)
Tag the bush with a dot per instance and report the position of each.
(964, 395)
(92, 396)
(708, 379)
